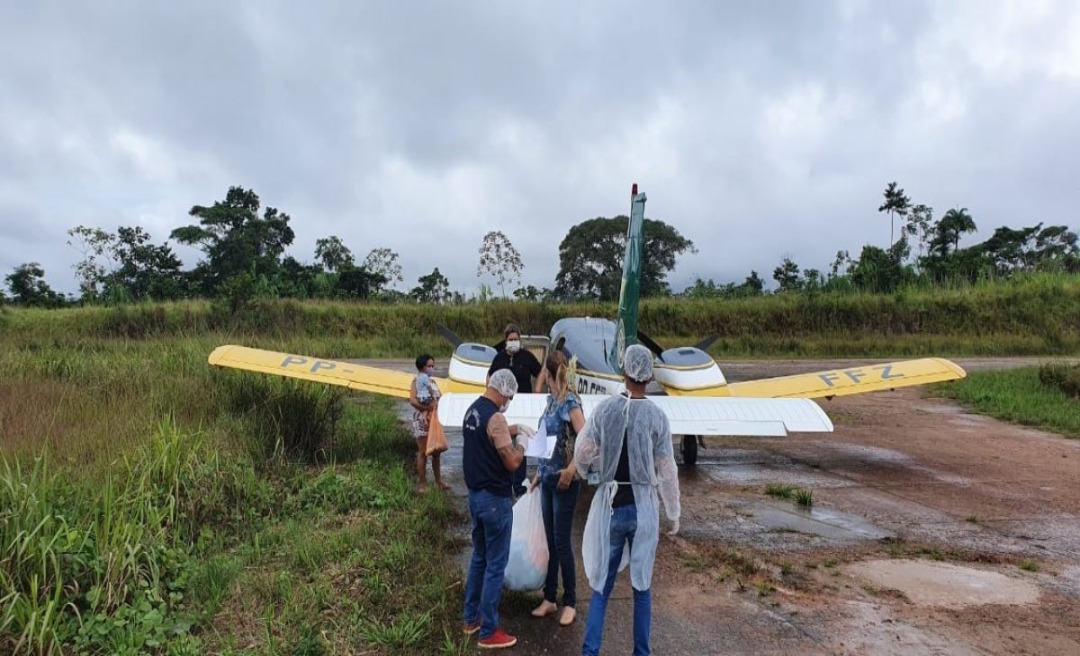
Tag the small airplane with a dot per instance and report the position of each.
(692, 390)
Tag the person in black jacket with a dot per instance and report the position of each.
(521, 362)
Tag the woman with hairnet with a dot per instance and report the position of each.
(627, 441)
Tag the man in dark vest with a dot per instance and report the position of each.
(490, 459)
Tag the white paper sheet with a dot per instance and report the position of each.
(541, 445)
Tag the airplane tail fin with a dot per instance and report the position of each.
(630, 290)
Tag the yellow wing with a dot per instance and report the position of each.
(840, 382)
(331, 372)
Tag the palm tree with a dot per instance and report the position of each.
(895, 203)
(952, 225)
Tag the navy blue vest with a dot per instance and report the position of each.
(483, 467)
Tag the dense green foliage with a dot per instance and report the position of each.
(1028, 315)
(591, 258)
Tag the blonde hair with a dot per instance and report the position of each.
(555, 363)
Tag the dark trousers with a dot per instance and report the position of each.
(558, 508)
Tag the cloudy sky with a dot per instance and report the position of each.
(758, 130)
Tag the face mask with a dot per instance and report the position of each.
(513, 346)
(503, 408)
(430, 371)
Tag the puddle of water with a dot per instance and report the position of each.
(869, 453)
(968, 420)
(941, 409)
(945, 584)
(822, 522)
(761, 474)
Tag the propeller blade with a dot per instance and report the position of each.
(648, 343)
(449, 335)
(707, 342)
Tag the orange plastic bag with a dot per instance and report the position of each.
(436, 438)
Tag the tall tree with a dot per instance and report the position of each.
(787, 276)
(920, 222)
(948, 230)
(1057, 244)
(877, 270)
(896, 204)
(1010, 249)
(752, 286)
(383, 262)
(28, 287)
(333, 253)
(433, 288)
(358, 282)
(96, 247)
(145, 270)
(591, 254)
(125, 265)
(500, 259)
(235, 238)
(841, 264)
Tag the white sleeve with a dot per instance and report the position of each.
(667, 474)
(586, 451)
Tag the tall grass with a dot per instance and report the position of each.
(151, 504)
(1045, 308)
(1022, 396)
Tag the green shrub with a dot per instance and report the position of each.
(1065, 377)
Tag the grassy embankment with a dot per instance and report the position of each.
(154, 505)
(1045, 397)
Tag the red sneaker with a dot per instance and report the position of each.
(497, 640)
(471, 627)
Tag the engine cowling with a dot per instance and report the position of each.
(470, 363)
(687, 370)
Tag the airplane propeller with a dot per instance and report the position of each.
(658, 350)
(449, 335)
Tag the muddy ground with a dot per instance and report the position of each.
(932, 531)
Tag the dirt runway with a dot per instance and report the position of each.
(932, 531)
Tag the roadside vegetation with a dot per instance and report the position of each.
(1036, 314)
(1045, 397)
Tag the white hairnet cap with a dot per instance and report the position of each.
(503, 382)
(637, 363)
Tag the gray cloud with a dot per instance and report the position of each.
(758, 132)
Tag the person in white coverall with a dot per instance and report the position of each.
(627, 440)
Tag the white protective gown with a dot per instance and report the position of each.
(652, 468)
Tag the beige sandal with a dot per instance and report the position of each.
(544, 609)
(569, 613)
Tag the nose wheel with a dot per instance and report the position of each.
(690, 444)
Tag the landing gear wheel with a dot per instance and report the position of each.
(689, 449)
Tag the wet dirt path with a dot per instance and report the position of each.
(932, 531)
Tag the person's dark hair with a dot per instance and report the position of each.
(421, 361)
(511, 328)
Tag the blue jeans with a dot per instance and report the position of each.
(623, 527)
(492, 517)
(558, 508)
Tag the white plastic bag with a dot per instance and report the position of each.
(527, 567)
